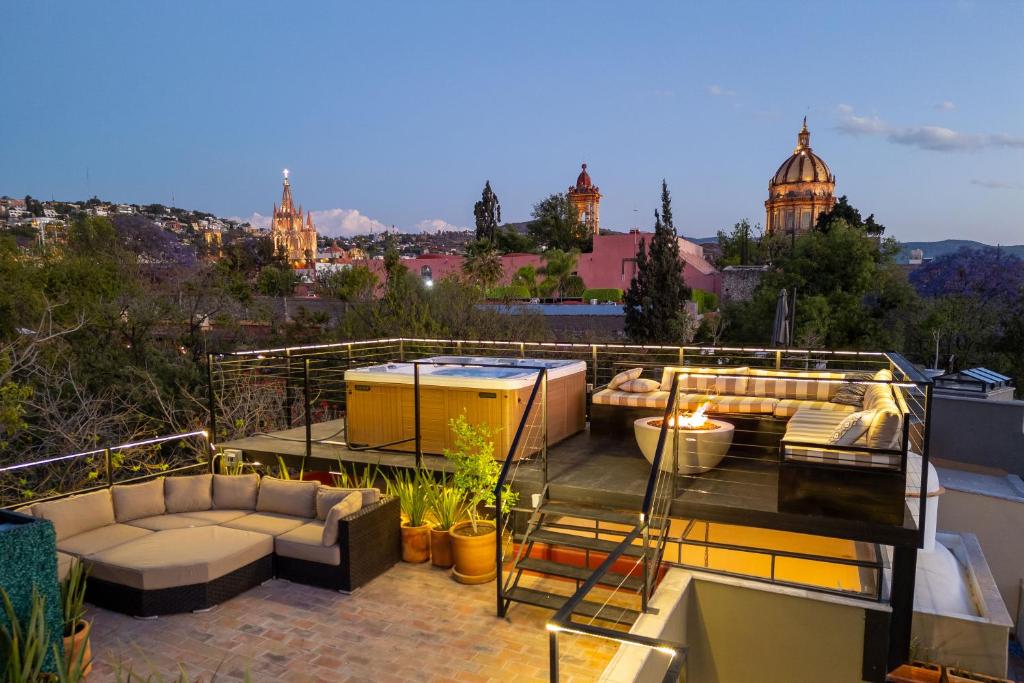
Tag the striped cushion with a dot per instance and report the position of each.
(614, 397)
(813, 425)
(787, 407)
(743, 404)
(625, 376)
(833, 457)
(724, 380)
(640, 385)
(793, 384)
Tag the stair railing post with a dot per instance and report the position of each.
(288, 397)
(553, 656)
(308, 400)
(416, 413)
(645, 591)
(498, 524)
(544, 422)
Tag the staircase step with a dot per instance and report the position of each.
(569, 571)
(591, 512)
(553, 601)
(585, 542)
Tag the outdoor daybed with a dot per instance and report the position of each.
(178, 544)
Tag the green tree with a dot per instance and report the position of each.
(526, 277)
(556, 225)
(274, 281)
(655, 302)
(508, 240)
(356, 283)
(482, 264)
(487, 214)
(741, 246)
(842, 210)
(558, 271)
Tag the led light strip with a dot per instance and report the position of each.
(135, 444)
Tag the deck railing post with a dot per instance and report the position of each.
(778, 360)
(544, 423)
(553, 656)
(522, 350)
(288, 397)
(401, 349)
(646, 591)
(212, 399)
(308, 400)
(499, 528)
(416, 413)
(593, 359)
(108, 467)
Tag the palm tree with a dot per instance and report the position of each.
(558, 270)
(482, 266)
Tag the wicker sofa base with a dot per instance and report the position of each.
(151, 603)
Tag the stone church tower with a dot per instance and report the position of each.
(802, 188)
(585, 197)
(290, 233)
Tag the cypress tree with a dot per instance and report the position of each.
(487, 213)
(654, 302)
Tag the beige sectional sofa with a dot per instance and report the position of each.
(176, 544)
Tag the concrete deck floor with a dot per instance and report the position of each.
(414, 623)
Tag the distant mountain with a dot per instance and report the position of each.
(935, 249)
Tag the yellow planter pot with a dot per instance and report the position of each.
(415, 543)
(473, 554)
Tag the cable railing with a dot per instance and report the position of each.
(36, 481)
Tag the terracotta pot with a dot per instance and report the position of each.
(78, 650)
(440, 548)
(915, 672)
(415, 543)
(473, 555)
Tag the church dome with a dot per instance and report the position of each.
(583, 180)
(804, 166)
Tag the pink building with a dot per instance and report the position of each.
(611, 264)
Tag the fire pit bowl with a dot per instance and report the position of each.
(700, 449)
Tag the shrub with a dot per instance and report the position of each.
(706, 301)
(603, 294)
(509, 292)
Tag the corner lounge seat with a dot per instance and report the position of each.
(788, 407)
(217, 516)
(95, 540)
(306, 543)
(270, 523)
(811, 425)
(164, 522)
(179, 557)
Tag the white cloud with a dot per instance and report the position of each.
(720, 91)
(946, 105)
(435, 225)
(344, 222)
(997, 184)
(932, 138)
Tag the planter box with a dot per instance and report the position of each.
(961, 676)
(916, 672)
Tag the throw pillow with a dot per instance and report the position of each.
(852, 394)
(624, 376)
(135, 501)
(329, 496)
(287, 497)
(235, 491)
(853, 426)
(350, 504)
(639, 385)
(189, 494)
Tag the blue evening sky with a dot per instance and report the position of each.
(396, 113)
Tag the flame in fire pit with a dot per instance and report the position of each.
(695, 420)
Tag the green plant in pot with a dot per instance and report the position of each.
(448, 508)
(476, 475)
(412, 488)
(77, 631)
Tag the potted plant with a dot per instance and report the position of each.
(448, 508)
(957, 675)
(412, 488)
(476, 475)
(77, 651)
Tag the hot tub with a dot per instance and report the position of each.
(380, 403)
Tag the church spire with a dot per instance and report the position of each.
(286, 196)
(803, 138)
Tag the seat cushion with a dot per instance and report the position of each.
(743, 404)
(270, 523)
(98, 540)
(132, 501)
(305, 543)
(329, 496)
(808, 386)
(722, 380)
(169, 521)
(287, 497)
(77, 514)
(829, 456)
(217, 516)
(180, 557)
(235, 491)
(787, 407)
(64, 564)
(189, 494)
(625, 376)
(640, 385)
(813, 425)
(614, 397)
(342, 509)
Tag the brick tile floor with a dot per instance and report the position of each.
(411, 624)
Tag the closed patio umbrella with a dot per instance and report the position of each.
(780, 327)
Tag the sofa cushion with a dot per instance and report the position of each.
(217, 516)
(339, 511)
(235, 491)
(188, 494)
(64, 564)
(295, 498)
(808, 386)
(625, 376)
(180, 557)
(787, 407)
(77, 514)
(270, 523)
(852, 393)
(169, 521)
(329, 496)
(335, 494)
(614, 397)
(132, 501)
(852, 428)
(760, 405)
(304, 543)
(640, 385)
(828, 456)
(720, 380)
(812, 426)
(98, 540)
(884, 430)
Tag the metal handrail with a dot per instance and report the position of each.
(506, 467)
(645, 510)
